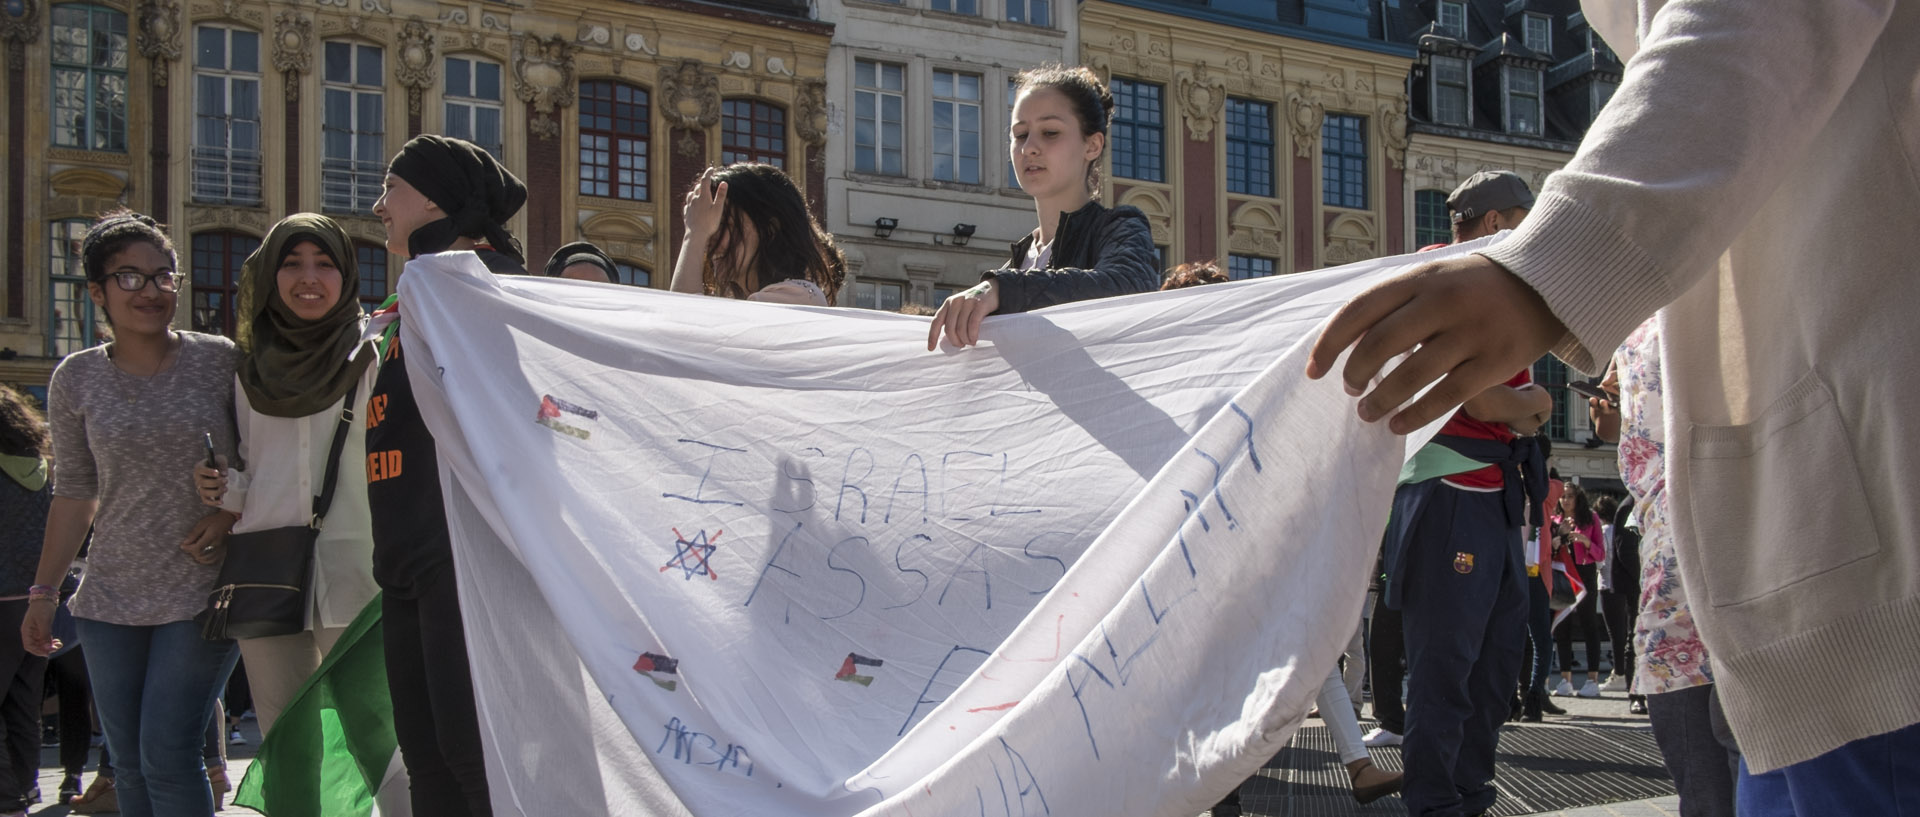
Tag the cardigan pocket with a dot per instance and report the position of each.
(1778, 501)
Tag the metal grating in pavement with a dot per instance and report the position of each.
(1541, 769)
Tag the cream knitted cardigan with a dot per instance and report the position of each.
(1755, 174)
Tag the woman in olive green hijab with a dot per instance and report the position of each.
(299, 333)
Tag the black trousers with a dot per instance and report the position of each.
(1385, 647)
(21, 675)
(433, 710)
(1619, 607)
(68, 672)
(1586, 614)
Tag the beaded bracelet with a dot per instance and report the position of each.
(42, 591)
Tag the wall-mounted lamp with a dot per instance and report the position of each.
(962, 233)
(883, 226)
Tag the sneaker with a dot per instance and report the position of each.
(1381, 737)
(1615, 683)
(1637, 706)
(237, 738)
(1564, 690)
(1591, 690)
(69, 787)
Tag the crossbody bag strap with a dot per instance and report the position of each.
(325, 500)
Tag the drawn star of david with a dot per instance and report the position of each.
(691, 555)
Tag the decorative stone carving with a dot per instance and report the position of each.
(1305, 113)
(414, 68)
(637, 42)
(203, 216)
(338, 3)
(456, 17)
(1349, 239)
(292, 48)
(1257, 229)
(595, 34)
(1435, 173)
(371, 6)
(778, 67)
(20, 30)
(810, 111)
(690, 96)
(543, 78)
(88, 182)
(1393, 131)
(159, 38)
(1202, 96)
(491, 22)
(738, 59)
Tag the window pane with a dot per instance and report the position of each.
(459, 78)
(212, 52)
(1430, 221)
(1137, 131)
(1343, 169)
(486, 81)
(369, 65)
(339, 62)
(246, 52)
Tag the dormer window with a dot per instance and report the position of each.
(1523, 101)
(1450, 91)
(1537, 34)
(1453, 18)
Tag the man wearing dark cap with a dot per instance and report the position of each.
(441, 195)
(1488, 202)
(582, 261)
(1454, 566)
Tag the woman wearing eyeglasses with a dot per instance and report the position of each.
(127, 421)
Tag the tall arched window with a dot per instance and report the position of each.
(752, 131)
(614, 130)
(226, 115)
(89, 78)
(216, 260)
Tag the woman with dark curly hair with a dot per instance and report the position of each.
(750, 236)
(25, 494)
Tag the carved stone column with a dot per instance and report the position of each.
(810, 122)
(1202, 97)
(293, 58)
(159, 42)
(414, 68)
(690, 101)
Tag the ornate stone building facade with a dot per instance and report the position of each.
(221, 116)
(1265, 136)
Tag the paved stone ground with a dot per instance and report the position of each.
(1607, 750)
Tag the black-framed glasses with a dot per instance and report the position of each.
(168, 281)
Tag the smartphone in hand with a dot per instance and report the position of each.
(213, 459)
(1592, 390)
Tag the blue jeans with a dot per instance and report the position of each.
(154, 689)
(1879, 775)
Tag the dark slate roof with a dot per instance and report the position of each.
(1494, 36)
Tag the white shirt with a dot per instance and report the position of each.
(286, 458)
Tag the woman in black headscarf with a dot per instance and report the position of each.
(441, 195)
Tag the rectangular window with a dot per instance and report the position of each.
(753, 132)
(1597, 45)
(372, 259)
(473, 104)
(1551, 374)
(1450, 91)
(1242, 267)
(1138, 129)
(1343, 161)
(614, 140)
(1523, 101)
(1537, 35)
(1431, 224)
(353, 128)
(633, 275)
(1453, 18)
(70, 309)
(1013, 93)
(971, 8)
(1031, 12)
(879, 106)
(226, 122)
(882, 295)
(89, 78)
(1249, 147)
(956, 127)
(216, 275)
(1602, 91)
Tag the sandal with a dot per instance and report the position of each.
(100, 798)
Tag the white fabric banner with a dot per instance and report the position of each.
(731, 558)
